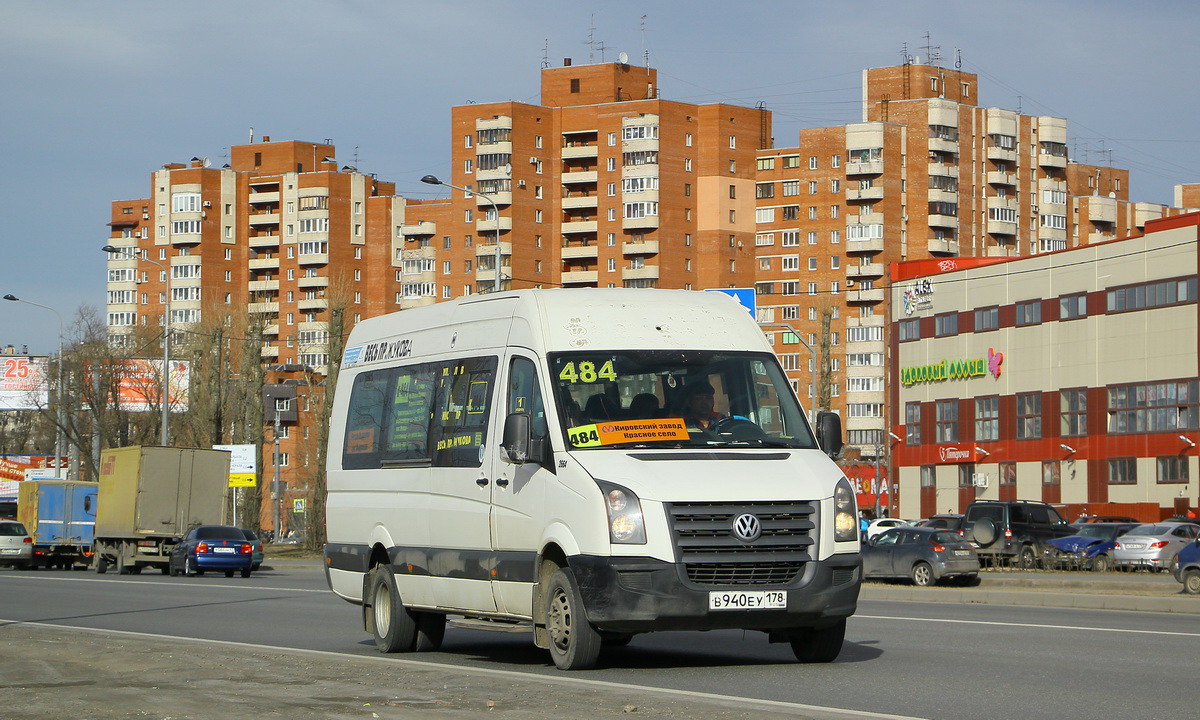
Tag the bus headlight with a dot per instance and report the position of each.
(845, 512)
(625, 523)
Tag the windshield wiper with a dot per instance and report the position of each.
(755, 442)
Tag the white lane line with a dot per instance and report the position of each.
(135, 583)
(1032, 625)
(813, 712)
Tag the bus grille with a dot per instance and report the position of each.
(705, 543)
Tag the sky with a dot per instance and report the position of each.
(97, 95)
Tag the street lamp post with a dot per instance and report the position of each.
(165, 431)
(275, 481)
(59, 471)
(431, 180)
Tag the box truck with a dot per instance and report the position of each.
(60, 515)
(150, 497)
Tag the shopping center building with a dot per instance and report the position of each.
(1068, 377)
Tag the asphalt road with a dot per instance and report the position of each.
(926, 660)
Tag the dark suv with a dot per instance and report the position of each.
(1013, 530)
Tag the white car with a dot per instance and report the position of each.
(16, 546)
(878, 526)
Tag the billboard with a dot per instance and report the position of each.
(139, 384)
(13, 467)
(24, 383)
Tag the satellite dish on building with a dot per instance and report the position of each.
(623, 58)
(206, 162)
(508, 169)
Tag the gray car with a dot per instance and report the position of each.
(921, 554)
(1153, 545)
(16, 545)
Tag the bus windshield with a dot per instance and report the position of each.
(676, 398)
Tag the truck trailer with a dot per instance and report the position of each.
(150, 497)
(60, 515)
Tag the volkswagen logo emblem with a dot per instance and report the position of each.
(746, 527)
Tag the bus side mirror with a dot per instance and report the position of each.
(516, 440)
(829, 432)
(87, 503)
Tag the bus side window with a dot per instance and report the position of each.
(525, 396)
(461, 411)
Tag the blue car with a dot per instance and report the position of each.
(1187, 567)
(220, 548)
(1090, 548)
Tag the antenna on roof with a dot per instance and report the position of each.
(957, 59)
(545, 53)
(906, 58)
(645, 47)
(933, 53)
(251, 134)
(591, 41)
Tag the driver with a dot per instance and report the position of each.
(698, 403)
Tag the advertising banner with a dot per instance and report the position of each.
(24, 383)
(13, 467)
(139, 384)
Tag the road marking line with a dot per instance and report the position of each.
(176, 584)
(814, 712)
(1033, 625)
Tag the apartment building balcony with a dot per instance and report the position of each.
(500, 173)
(1007, 179)
(944, 221)
(645, 247)
(870, 167)
(313, 258)
(500, 146)
(1143, 212)
(312, 282)
(640, 144)
(1054, 161)
(639, 223)
(425, 227)
(937, 195)
(185, 238)
(1100, 236)
(312, 304)
(579, 226)
(579, 277)
(1003, 250)
(1052, 234)
(938, 144)
(499, 122)
(942, 246)
(486, 247)
(500, 198)
(999, 154)
(263, 285)
(864, 272)
(263, 307)
(484, 225)
(646, 272)
(264, 218)
(1102, 209)
(269, 351)
(944, 170)
(263, 241)
(576, 177)
(873, 218)
(272, 329)
(870, 194)
(866, 245)
(570, 152)
(579, 201)
(260, 198)
(870, 295)
(574, 252)
(1001, 227)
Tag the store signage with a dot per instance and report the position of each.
(957, 454)
(953, 369)
(918, 295)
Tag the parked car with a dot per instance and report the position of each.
(1090, 548)
(945, 521)
(1106, 519)
(1013, 530)
(1186, 567)
(1153, 545)
(16, 545)
(252, 536)
(921, 554)
(212, 547)
(879, 525)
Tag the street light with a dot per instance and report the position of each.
(165, 432)
(431, 180)
(58, 424)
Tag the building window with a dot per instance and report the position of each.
(1073, 405)
(1072, 307)
(944, 325)
(928, 476)
(987, 419)
(1029, 312)
(1029, 416)
(909, 329)
(1008, 473)
(1051, 472)
(987, 319)
(812, 162)
(812, 213)
(947, 421)
(966, 474)
(687, 140)
(574, 85)
(1150, 295)
(1153, 407)
(1122, 471)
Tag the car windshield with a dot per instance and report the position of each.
(219, 533)
(12, 529)
(676, 398)
(1151, 530)
(1098, 531)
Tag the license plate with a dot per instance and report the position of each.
(962, 552)
(1134, 546)
(752, 600)
(224, 550)
(9, 551)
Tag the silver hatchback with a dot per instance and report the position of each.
(1153, 545)
(16, 545)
